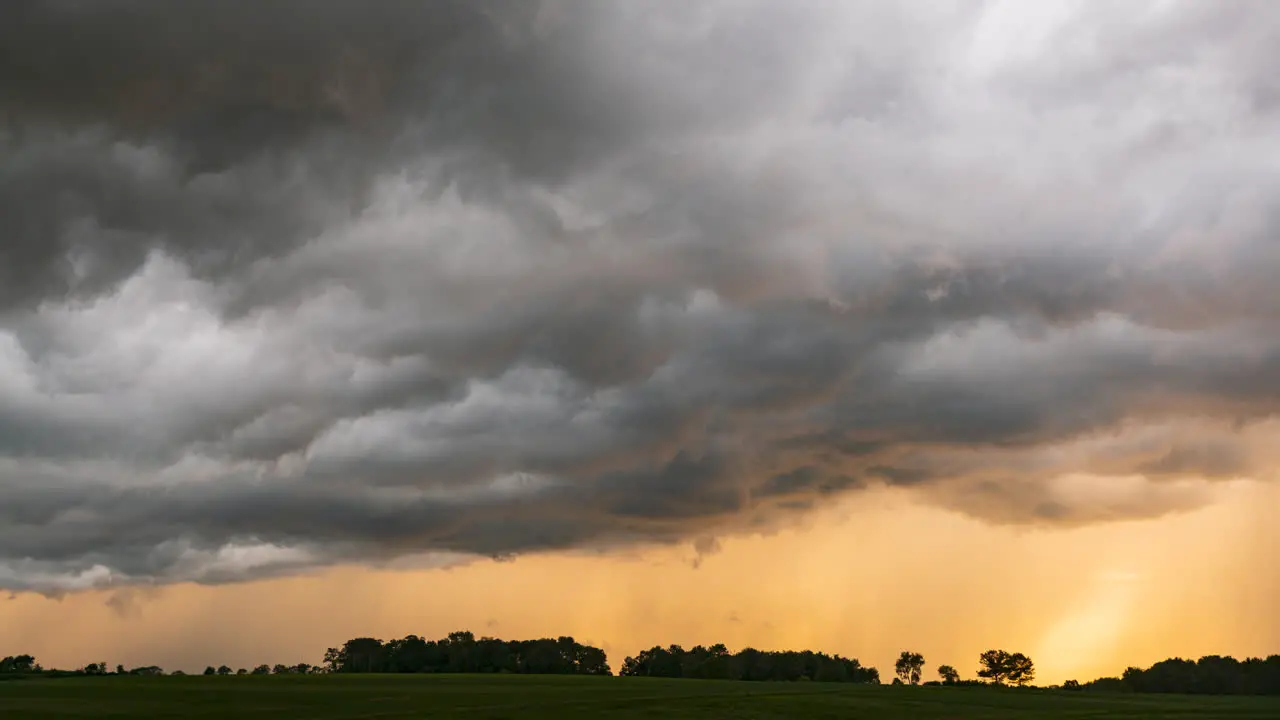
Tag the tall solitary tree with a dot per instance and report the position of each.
(1001, 666)
(909, 667)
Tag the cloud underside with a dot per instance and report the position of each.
(492, 278)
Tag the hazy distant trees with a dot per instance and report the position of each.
(715, 662)
(948, 674)
(462, 652)
(18, 664)
(261, 670)
(1210, 675)
(909, 667)
(1001, 666)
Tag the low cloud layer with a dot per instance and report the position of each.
(289, 286)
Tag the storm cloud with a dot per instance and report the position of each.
(292, 284)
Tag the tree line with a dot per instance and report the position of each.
(459, 652)
(717, 663)
(462, 652)
(278, 669)
(1210, 675)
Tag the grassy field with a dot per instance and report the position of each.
(351, 697)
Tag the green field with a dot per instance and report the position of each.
(350, 697)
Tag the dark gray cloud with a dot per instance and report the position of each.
(327, 282)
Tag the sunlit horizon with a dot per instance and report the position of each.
(1082, 603)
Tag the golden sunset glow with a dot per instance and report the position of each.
(867, 579)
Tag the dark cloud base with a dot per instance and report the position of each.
(308, 283)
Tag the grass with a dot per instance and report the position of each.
(388, 697)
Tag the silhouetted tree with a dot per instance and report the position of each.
(18, 664)
(210, 671)
(242, 671)
(909, 667)
(261, 670)
(948, 674)
(333, 659)
(994, 665)
(592, 660)
(1021, 670)
(1000, 666)
(224, 670)
(362, 655)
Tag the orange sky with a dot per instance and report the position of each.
(868, 579)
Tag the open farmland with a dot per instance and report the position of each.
(351, 697)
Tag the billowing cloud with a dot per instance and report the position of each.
(313, 283)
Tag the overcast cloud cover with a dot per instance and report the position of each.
(295, 283)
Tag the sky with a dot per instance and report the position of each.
(838, 325)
